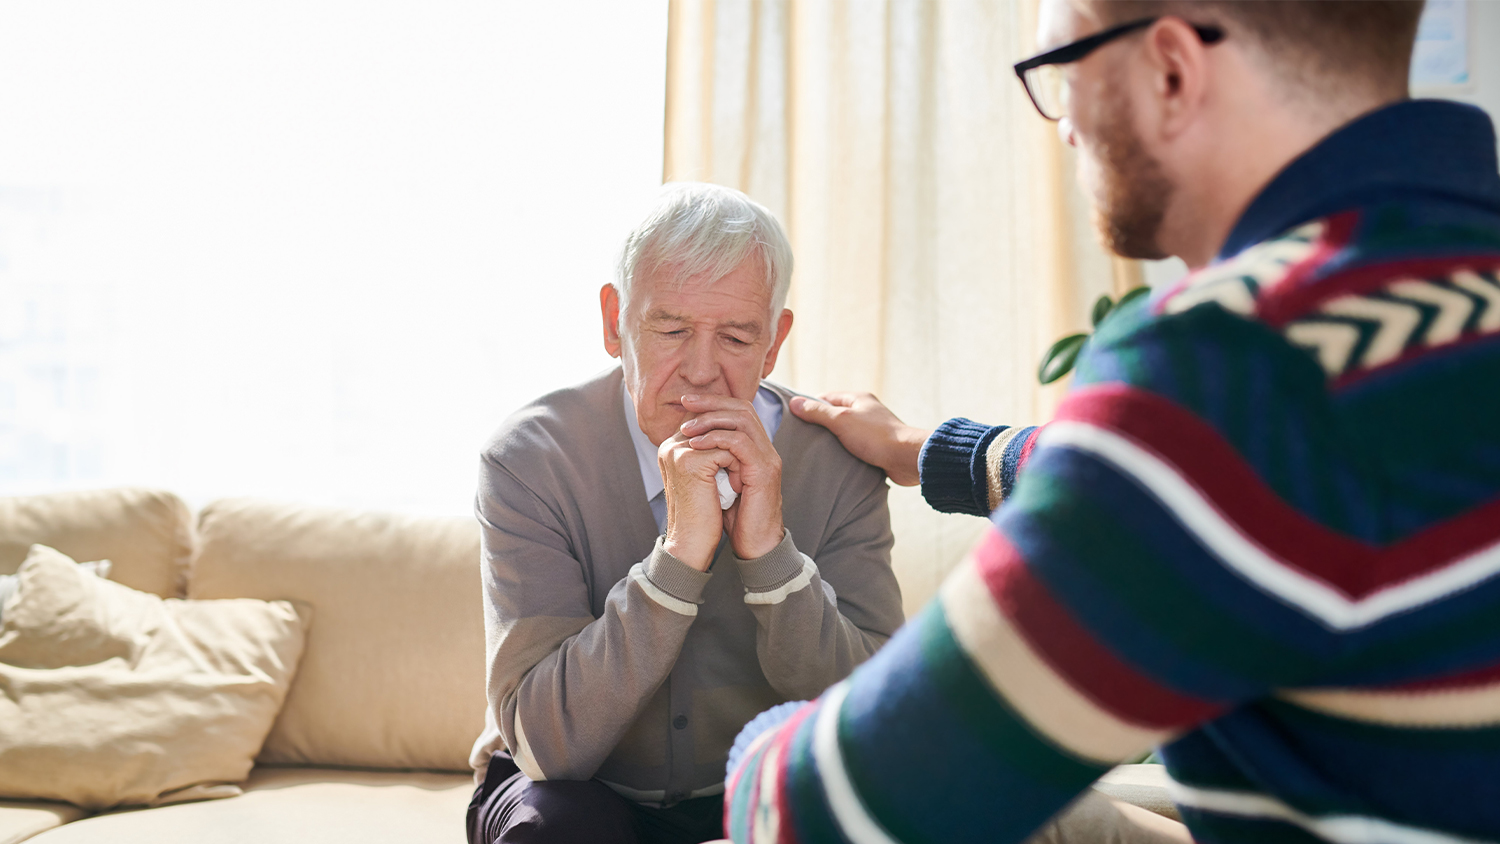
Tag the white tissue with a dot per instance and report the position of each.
(727, 495)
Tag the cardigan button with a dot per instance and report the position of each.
(680, 722)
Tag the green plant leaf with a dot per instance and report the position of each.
(1102, 306)
(1133, 294)
(1059, 360)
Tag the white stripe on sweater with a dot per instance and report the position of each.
(853, 818)
(1252, 561)
(765, 824)
(1442, 707)
(1340, 829)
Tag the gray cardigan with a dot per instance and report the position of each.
(608, 657)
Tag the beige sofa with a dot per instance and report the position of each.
(372, 742)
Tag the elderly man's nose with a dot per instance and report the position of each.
(1065, 132)
(699, 365)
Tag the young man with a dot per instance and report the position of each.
(1263, 532)
(667, 551)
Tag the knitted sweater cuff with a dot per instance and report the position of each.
(952, 466)
(775, 568)
(673, 576)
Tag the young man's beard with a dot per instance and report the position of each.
(1134, 192)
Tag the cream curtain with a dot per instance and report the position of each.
(940, 243)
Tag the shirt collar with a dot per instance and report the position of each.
(1414, 146)
(767, 406)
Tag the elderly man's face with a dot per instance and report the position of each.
(709, 340)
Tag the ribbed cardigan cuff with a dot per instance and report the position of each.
(675, 577)
(773, 568)
(952, 467)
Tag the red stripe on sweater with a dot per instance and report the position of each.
(1486, 676)
(1231, 485)
(787, 831)
(1028, 447)
(1225, 479)
(1440, 545)
(1338, 231)
(1074, 653)
(782, 735)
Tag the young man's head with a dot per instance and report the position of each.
(697, 305)
(1183, 118)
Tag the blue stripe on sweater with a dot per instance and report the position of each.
(1436, 763)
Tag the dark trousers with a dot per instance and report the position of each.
(510, 808)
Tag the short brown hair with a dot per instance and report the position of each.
(1322, 45)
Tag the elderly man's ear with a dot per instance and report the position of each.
(783, 325)
(609, 310)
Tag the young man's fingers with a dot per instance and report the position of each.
(843, 398)
(814, 411)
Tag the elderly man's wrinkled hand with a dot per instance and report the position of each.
(729, 424)
(695, 522)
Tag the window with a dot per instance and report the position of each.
(308, 250)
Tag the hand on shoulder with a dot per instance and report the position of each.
(869, 430)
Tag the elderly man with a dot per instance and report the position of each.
(666, 550)
(1263, 532)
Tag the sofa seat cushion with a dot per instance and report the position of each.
(294, 805)
(393, 676)
(20, 820)
(147, 534)
(1141, 785)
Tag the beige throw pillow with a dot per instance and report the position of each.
(110, 696)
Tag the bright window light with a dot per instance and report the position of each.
(307, 250)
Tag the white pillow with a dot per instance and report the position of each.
(110, 696)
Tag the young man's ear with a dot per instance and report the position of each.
(609, 311)
(1180, 64)
(783, 326)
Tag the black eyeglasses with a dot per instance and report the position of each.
(1043, 78)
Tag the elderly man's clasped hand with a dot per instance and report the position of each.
(725, 434)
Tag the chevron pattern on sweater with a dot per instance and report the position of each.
(1352, 334)
(1236, 284)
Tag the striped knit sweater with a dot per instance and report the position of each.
(1262, 534)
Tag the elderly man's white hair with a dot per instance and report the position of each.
(699, 230)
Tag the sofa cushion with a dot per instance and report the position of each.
(1147, 786)
(394, 670)
(112, 696)
(148, 534)
(293, 805)
(20, 820)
